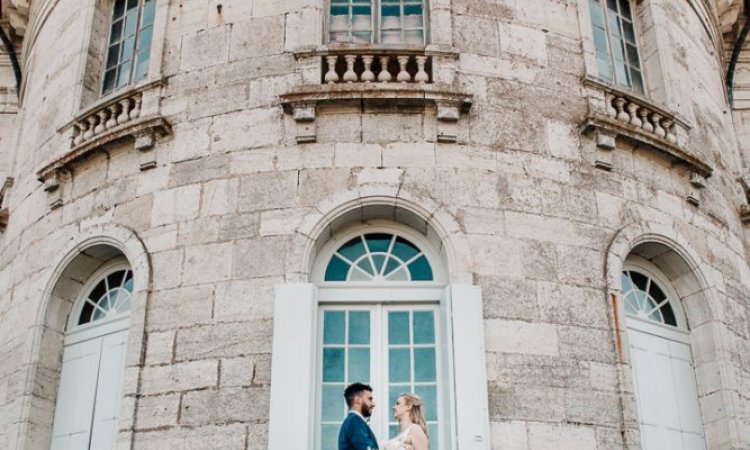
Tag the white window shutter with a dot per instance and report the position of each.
(292, 370)
(109, 390)
(469, 368)
(75, 397)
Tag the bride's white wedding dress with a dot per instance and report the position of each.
(398, 443)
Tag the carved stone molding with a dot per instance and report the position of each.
(304, 101)
(614, 114)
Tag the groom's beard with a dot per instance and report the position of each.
(366, 411)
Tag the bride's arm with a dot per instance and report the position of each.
(418, 439)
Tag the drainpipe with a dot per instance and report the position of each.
(736, 52)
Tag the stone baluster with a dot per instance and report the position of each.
(620, 106)
(611, 111)
(350, 76)
(633, 111)
(367, 75)
(84, 126)
(668, 125)
(102, 115)
(331, 76)
(658, 130)
(384, 76)
(403, 76)
(112, 122)
(136, 111)
(421, 75)
(90, 130)
(77, 134)
(124, 111)
(644, 112)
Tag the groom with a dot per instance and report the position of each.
(355, 433)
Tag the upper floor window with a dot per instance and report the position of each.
(129, 45)
(377, 22)
(615, 41)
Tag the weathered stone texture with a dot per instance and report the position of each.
(233, 201)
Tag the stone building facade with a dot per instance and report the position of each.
(533, 213)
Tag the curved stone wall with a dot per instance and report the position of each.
(534, 179)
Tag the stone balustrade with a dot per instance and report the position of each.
(637, 113)
(107, 116)
(371, 66)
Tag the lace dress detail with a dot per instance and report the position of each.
(397, 443)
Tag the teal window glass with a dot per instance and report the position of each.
(412, 361)
(378, 257)
(346, 358)
(376, 21)
(129, 48)
(614, 35)
(109, 299)
(644, 299)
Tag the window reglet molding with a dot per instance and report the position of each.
(371, 76)
(614, 113)
(131, 113)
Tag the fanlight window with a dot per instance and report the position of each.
(378, 257)
(645, 300)
(110, 298)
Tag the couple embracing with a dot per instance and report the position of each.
(355, 433)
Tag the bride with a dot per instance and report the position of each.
(409, 410)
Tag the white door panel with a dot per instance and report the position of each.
(108, 392)
(666, 393)
(76, 394)
(89, 392)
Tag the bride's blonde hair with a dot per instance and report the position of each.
(417, 413)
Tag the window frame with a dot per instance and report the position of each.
(382, 417)
(376, 25)
(77, 333)
(135, 52)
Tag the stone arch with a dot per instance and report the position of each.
(346, 208)
(694, 283)
(95, 246)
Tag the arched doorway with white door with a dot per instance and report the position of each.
(93, 360)
(664, 379)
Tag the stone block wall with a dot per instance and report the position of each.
(220, 214)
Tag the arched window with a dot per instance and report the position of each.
(379, 309)
(391, 341)
(93, 362)
(663, 372)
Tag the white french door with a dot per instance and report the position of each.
(90, 388)
(665, 388)
(394, 348)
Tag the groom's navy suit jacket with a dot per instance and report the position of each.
(355, 434)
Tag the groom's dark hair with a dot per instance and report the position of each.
(354, 390)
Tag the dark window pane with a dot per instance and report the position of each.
(639, 280)
(353, 249)
(119, 9)
(429, 397)
(637, 80)
(116, 31)
(132, 4)
(109, 81)
(115, 279)
(668, 315)
(337, 269)
(113, 56)
(359, 364)
(612, 6)
(614, 26)
(399, 365)
(629, 31)
(404, 249)
(633, 56)
(625, 9)
(424, 364)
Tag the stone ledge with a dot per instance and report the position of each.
(612, 127)
(303, 101)
(140, 129)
